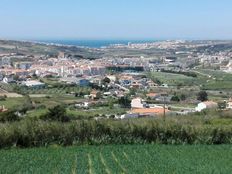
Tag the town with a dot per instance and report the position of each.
(116, 87)
(168, 78)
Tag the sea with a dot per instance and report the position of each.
(94, 43)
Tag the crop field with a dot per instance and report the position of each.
(118, 159)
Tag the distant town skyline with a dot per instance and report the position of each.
(116, 19)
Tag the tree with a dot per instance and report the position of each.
(9, 116)
(28, 104)
(58, 113)
(106, 80)
(202, 96)
(175, 98)
(111, 103)
(132, 91)
(125, 102)
(182, 97)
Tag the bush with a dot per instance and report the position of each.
(30, 133)
(202, 96)
(9, 116)
(58, 113)
(3, 98)
(175, 98)
(125, 102)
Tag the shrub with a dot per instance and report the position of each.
(3, 98)
(58, 113)
(175, 98)
(125, 102)
(29, 133)
(202, 96)
(9, 116)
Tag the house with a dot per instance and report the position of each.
(151, 84)
(170, 59)
(107, 94)
(130, 115)
(23, 65)
(83, 82)
(136, 85)
(112, 78)
(96, 80)
(82, 105)
(73, 80)
(125, 82)
(95, 94)
(33, 84)
(229, 104)
(150, 111)
(206, 105)
(137, 103)
(8, 79)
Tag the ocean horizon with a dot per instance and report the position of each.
(93, 43)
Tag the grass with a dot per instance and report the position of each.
(54, 100)
(56, 90)
(219, 80)
(80, 113)
(12, 103)
(119, 159)
(177, 79)
(98, 111)
(37, 112)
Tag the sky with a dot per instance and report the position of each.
(116, 19)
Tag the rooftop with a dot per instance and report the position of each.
(150, 111)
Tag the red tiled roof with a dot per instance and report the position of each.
(152, 95)
(158, 111)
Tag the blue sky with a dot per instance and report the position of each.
(116, 19)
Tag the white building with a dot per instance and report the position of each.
(8, 79)
(82, 105)
(33, 84)
(229, 104)
(206, 105)
(137, 103)
(128, 116)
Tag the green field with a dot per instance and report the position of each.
(206, 78)
(219, 80)
(119, 159)
(174, 79)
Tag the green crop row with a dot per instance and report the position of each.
(118, 159)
